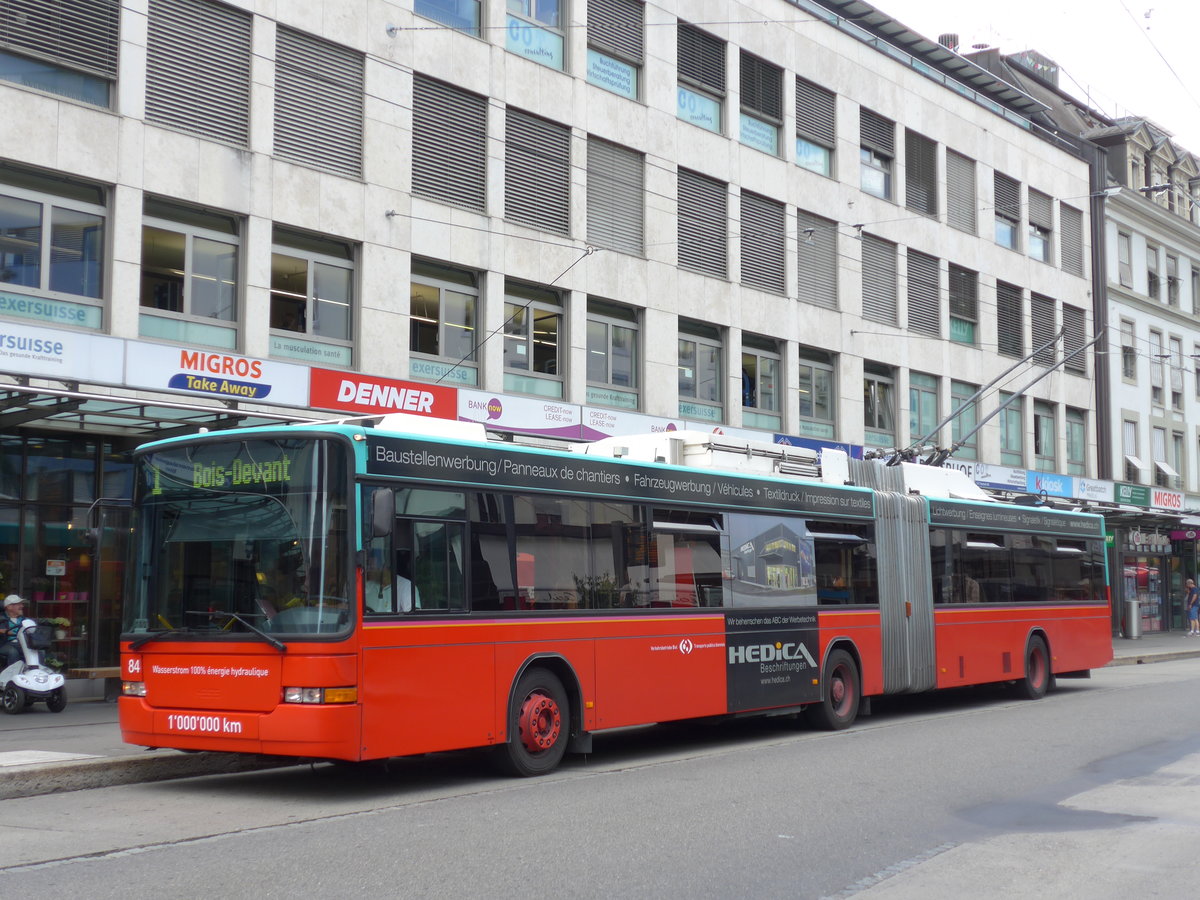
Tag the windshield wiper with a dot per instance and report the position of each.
(270, 639)
(155, 635)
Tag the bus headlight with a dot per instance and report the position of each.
(133, 688)
(320, 695)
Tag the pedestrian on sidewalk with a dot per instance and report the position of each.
(1191, 603)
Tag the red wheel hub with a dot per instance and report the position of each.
(540, 722)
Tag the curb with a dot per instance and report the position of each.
(1153, 657)
(78, 775)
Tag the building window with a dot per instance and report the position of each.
(443, 334)
(535, 30)
(1165, 475)
(1152, 279)
(964, 304)
(879, 280)
(312, 298)
(877, 151)
(537, 172)
(815, 386)
(700, 372)
(189, 275)
(1043, 316)
(762, 103)
(462, 15)
(1074, 338)
(1124, 260)
(761, 370)
(1010, 320)
(1176, 363)
(920, 173)
(63, 47)
(703, 224)
(816, 127)
(52, 244)
(1071, 226)
(1128, 351)
(1156, 367)
(1044, 437)
(922, 406)
(615, 196)
(1196, 368)
(924, 300)
(1076, 442)
(817, 266)
(1129, 444)
(616, 45)
(198, 68)
(1177, 461)
(318, 102)
(960, 192)
(1173, 281)
(532, 335)
(1008, 210)
(763, 243)
(1012, 430)
(701, 89)
(879, 405)
(449, 144)
(966, 416)
(1041, 225)
(612, 355)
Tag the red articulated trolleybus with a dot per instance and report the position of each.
(354, 593)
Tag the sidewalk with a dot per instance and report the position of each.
(42, 752)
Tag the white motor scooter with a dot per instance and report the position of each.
(29, 680)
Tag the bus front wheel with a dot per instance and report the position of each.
(1037, 678)
(539, 722)
(840, 694)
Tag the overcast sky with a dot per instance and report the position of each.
(1126, 57)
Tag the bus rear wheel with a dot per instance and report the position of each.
(841, 691)
(539, 722)
(1038, 677)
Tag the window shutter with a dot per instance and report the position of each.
(877, 133)
(1042, 313)
(960, 191)
(198, 68)
(1074, 337)
(762, 86)
(74, 33)
(920, 186)
(816, 113)
(817, 260)
(616, 27)
(763, 243)
(1010, 331)
(703, 215)
(964, 293)
(1008, 197)
(449, 155)
(701, 57)
(924, 314)
(879, 279)
(1072, 239)
(537, 181)
(318, 102)
(1041, 210)
(615, 196)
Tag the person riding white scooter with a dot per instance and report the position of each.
(25, 678)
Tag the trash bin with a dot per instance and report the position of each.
(1133, 619)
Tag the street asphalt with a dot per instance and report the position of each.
(43, 752)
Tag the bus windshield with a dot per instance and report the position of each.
(242, 539)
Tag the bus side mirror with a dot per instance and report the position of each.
(383, 512)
